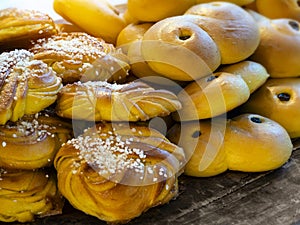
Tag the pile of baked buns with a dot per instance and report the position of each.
(107, 108)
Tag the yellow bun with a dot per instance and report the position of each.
(279, 48)
(279, 100)
(231, 27)
(237, 2)
(254, 143)
(96, 17)
(26, 195)
(132, 32)
(248, 143)
(153, 11)
(202, 144)
(254, 74)
(212, 96)
(179, 49)
(279, 9)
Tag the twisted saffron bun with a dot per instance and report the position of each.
(97, 17)
(116, 172)
(280, 9)
(32, 141)
(212, 96)
(231, 27)
(18, 27)
(28, 194)
(247, 143)
(97, 101)
(278, 99)
(27, 86)
(279, 48)
(253, 73)
(79, 56)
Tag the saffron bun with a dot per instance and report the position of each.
(132, 32)
(278, 99)
(280, 9)
(212, 96)
(179, 49)
(32, 141)
(270, 146)
(26, 195)
(116, 172)
(154, 11)
(279, 48)
(98, 18)
(232, 28)
(78, 56)
(202, 142)
(18, 27)
(27, 86)
(96, 101)
(246, 143)
(253, 73)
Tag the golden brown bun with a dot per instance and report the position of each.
(117, 171)
(64, 27)
(27, 86)
(254, 143)
(247, 143)
(132, 32)
(98, 101)
(26, 195)
(18, 27)
(179, 49)
(32, 141)
(278, 99)
(279, 48)
(231, 27)
(153, 11)
(212, 96)
(254, 74)
(203, 146)
(279, 9)
(79, 56)
(96, 17)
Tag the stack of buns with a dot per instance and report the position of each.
(80, 101)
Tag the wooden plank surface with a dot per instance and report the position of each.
(232, 198)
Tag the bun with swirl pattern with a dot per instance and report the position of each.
(28, 194)
(96, 101)
(78, 56)
(116, 171)
(32, 141)
(27, 86)
(19, 27)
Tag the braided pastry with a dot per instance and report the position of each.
(78, 56)
(117, 171)
(32, 141)
(27, 194)
(26, 86)
(18, 27)
(97, 101)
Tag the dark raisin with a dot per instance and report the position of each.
(255, 120)
(284, 97)
(294, 25)
(184, 37)
(196, 134)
